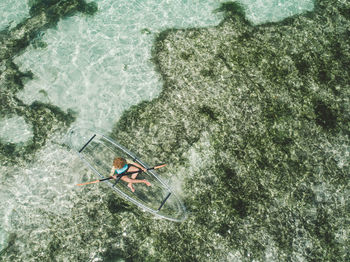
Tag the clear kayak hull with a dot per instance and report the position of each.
(98, 152)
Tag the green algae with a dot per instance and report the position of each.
(10, 242)
(232, 11)
(145, 31)
(274, 101)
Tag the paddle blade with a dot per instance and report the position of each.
(160, 166)
(96, 181)
(87, 183)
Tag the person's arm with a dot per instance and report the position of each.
(112, 171)
(136, 164)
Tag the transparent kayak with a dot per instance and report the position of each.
(99, 151)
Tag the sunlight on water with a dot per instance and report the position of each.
(100, 66)
(12, 12)
(260, 11)
(15, 130)
(97, 66)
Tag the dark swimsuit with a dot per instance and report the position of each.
(124, 169)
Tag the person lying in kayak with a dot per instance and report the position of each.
(121, 166)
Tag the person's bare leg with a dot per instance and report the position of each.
(131, 187)
(135, 181)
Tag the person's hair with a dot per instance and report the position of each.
(119, 162)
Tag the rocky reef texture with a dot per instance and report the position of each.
(255, 121)
(43, 118)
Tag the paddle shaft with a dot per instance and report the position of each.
(125, 174)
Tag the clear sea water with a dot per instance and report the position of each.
(98, 66)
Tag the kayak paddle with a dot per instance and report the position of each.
(127, 173)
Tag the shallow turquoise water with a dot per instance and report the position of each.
(95, 61)
(98, 66)
(101, 65)
(12, 12)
